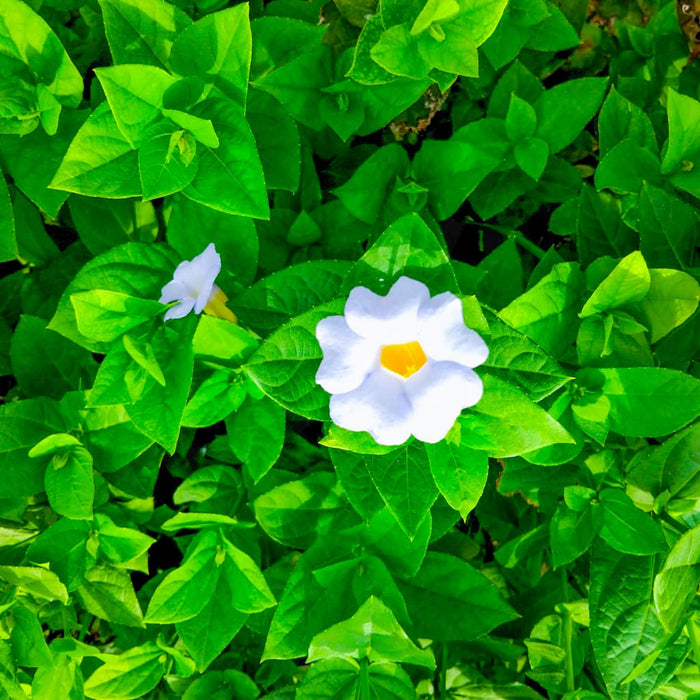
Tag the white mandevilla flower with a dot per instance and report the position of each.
(193, 288)
(400, 364)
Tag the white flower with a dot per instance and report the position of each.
(401, 364)
(193, 287)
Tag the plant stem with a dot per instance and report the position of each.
(443, 673)
(694, 641)
(567, 633)
(65, 622)
(518, 237)
(364, 679)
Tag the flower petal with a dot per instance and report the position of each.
(389, 319)
(379, 406)
(443, 335)
(347, 358)
(173, 291)
(179, 310)
(198, 275)
(438, 393)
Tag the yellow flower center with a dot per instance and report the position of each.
(404, 359)
(216, 306)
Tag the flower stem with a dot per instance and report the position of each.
(364, 679)
(514, 235)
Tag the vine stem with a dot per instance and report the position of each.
(522, 240)
(443, 672)
(364, 679)
(568, 633)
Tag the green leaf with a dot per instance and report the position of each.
(213, 484)
(671, 467)
(108, 593)
(63, 546)
(222, 340)
(397, 52)
(99, 162)
(546, 313)
(192, 226)
(620, 119)
(256, 435)
(297, 512)
(217, 49)
(25, 36)
(365, 194)
(408, 247)
(40, 583)
(274, 300)
(234, 684)
(626, 528)
(22, 425)
(404, 481)
(564, 110)
(211, 630)
(460, 474)
(135, 96)
(519, 360)
(448, 600)
(33, 160)
(215, 398)
(506, 423)
(532, 155)
(46, 364)
(639, 402)
(27, 639)
(230, 178)
(185, 591)
(683, 132)
(571, 533)
(599, 228)
(675, 586)
(626, 167)
(628, 283)
(135, 269)
(119, 545)
(667, 228)
(129, 675)
(8, 242)
(453, 50)
(372, 633)
(69, 483)
(167, 161)
(104, 316)
(434, 11)
(672, 299)
(624, 627)
(339, 679)
(285, 365)
(61, 676)
(251, 593)
(451, 170)
(277, 138)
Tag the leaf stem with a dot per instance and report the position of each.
(694, 641)
(568, 633)
(443, 672)
(65, 622)
(364, 679)
(514, 235)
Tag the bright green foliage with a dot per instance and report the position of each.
(180, 517)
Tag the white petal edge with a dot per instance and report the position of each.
(379, 406)
(347, 357)
(443, 335)
(173, 291)
(387, 319)
(438, 393)
(179, 310)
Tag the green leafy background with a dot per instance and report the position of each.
(179, 518)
